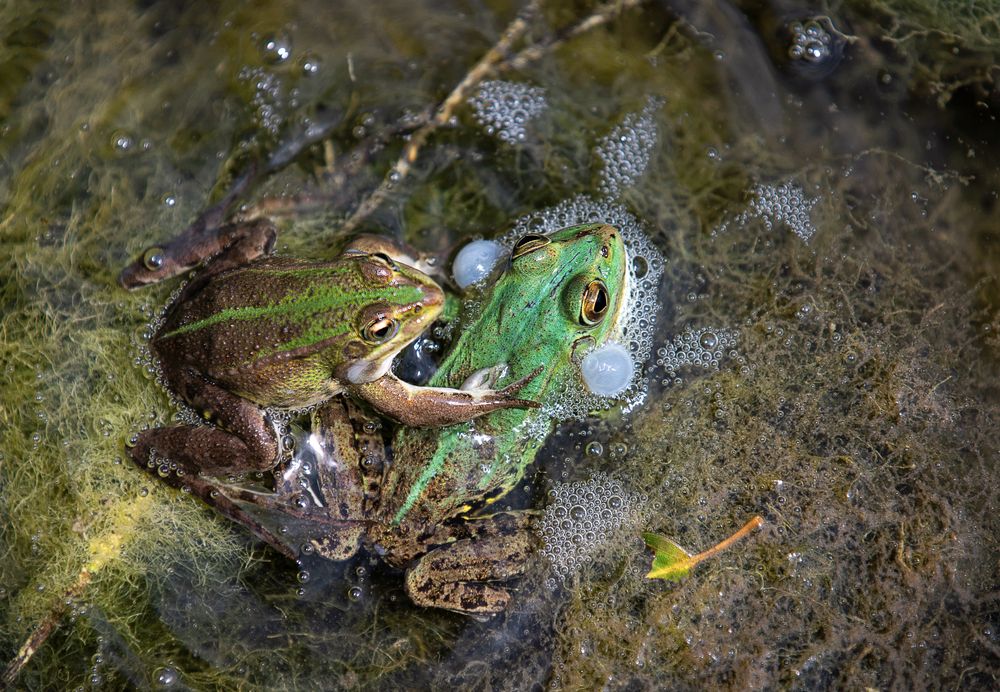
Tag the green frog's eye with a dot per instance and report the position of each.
(595, 303)
(528, 243)
(153, 258)
(380, 330)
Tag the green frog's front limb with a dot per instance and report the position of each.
(454, 576)
(438, 406)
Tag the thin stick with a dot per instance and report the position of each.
(751, 525)
(601, 16)
(41, 633)
(442, 115)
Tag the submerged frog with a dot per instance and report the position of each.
(559, 296)
(253, 331)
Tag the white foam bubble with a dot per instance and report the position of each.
(626, 150)
(583, 517)
(784, 204)
(505, 108)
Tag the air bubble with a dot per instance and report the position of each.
(475, 261)
(166, 676)
(276, 49)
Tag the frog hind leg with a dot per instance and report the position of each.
(244, 440)
(461, 576)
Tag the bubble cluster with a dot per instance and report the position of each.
(504, 108)
(783, 204)
(626, 150)
(635, 327)
(704, 347)
(810, 42)
(268, 98)
(584, 517)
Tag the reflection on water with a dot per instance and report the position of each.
(823, 189)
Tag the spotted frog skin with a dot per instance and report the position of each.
(253, 332)
(424, 509)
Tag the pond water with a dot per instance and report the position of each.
(821, 180)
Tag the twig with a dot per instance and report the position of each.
(599, 17)
(442, 115)
(41, 633)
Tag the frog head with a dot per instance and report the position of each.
(402, 302)
(560, 295)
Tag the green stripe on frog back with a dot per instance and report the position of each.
(320, 298)
(430, 470)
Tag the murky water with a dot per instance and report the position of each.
(824, 191)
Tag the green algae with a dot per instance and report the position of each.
(861, 422)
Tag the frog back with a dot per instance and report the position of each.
(276, 331)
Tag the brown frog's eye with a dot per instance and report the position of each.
(380, 330)
(528, 243)
(595, 303)
(383, 256)
(153, 258)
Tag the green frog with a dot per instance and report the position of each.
(253, 332)
(424, 508)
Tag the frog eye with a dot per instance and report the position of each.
(383, 256)
(528, 243)
(380, 330)
(153, 258)
(595, 303)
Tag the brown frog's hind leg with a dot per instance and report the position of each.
(244, 441)
(455, 576)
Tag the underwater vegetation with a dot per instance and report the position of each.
(822, 183)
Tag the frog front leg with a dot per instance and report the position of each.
(442, 406)
(228, 246)
(459, 576)
(244, 439)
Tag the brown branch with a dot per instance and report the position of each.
(442, 115)
(41, 633)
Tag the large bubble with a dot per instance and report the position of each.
(474, 262)
(608, 369)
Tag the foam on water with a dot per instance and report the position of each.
(581, 518)
(703, 347)
(775, 205)
(626, 150)
(504, 108)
